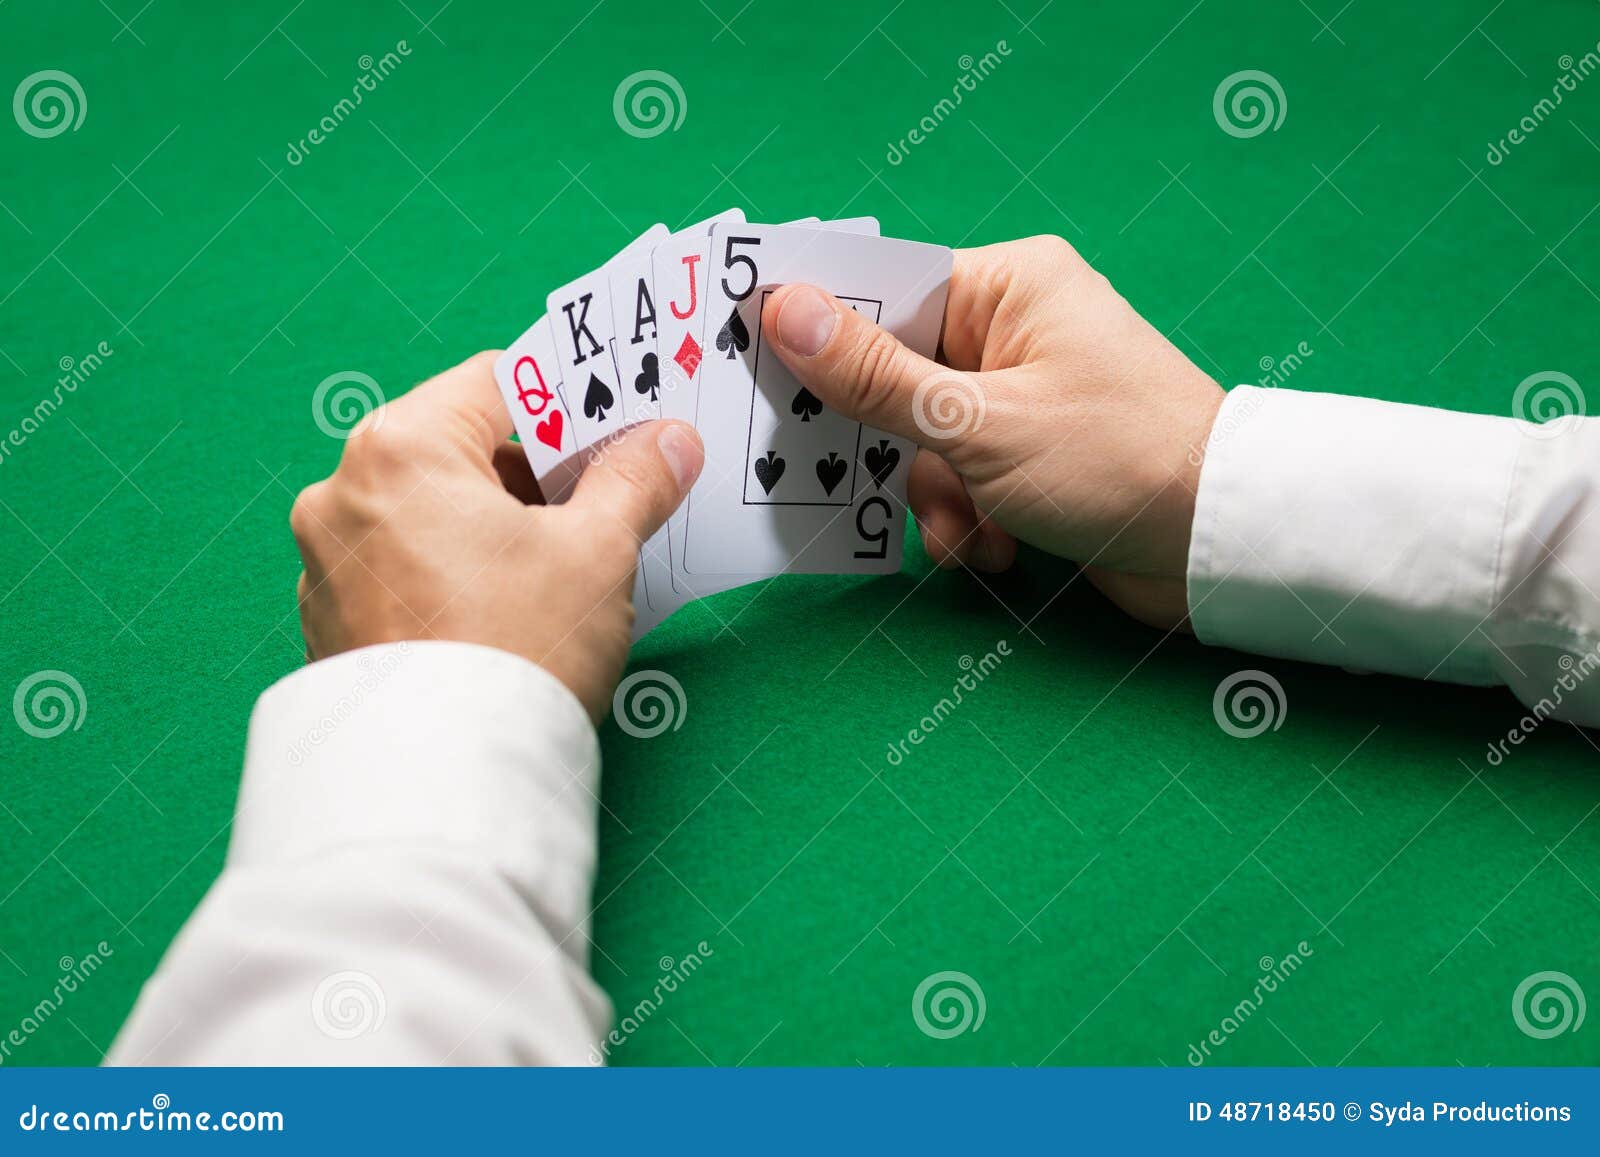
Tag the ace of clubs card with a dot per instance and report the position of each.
(789, 484)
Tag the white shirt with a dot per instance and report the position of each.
(409, 876)
(1401, 539)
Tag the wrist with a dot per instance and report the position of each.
(1174, 477)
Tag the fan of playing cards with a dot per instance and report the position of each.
(671, 328)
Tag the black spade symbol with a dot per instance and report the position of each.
(831, 471)
(880, 461)
(768, 470)
(733, 338)
(806, 405)
(597, 399)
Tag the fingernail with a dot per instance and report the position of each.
(683, 453)
(806, 322)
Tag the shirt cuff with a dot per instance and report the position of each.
(425, 744)
(1351, 531)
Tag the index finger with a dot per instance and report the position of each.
(986, 276)
(463, 404)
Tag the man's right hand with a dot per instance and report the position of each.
(1061, 418)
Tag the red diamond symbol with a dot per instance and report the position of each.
(688, 356)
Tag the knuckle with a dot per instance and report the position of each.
(1056, 248)
(304, 514)
(482, 361)
(360, 448)
(879, 367)
(381, 446)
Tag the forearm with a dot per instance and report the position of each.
(1405, 540)
(408, 881)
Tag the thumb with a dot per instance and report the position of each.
(863, 370)
(634, 481)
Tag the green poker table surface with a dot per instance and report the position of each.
(1078, 849)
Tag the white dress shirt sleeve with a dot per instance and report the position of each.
(408, 880)
(1407, 540)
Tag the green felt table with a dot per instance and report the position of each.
(1079, 837)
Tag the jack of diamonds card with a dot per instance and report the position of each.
(638, 316)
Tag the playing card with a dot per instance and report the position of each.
(789, 484)
(680, 267)
(529, 376)
(581, 325)
(530, 381)
(637, 317)
(867, 226)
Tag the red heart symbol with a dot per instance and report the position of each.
(549, 430)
